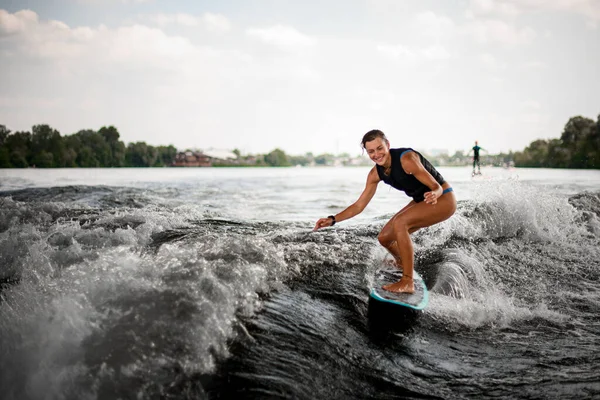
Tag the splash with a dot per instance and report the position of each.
(499, 260)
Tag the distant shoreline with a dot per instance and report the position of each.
(292, 167)
(45, 147)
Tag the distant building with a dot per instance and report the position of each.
(206, 158)
(192, 159)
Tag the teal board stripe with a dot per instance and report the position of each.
(419, 306)
(416, 301)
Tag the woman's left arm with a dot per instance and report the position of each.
(411, 163)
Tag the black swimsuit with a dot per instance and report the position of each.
(407, 183)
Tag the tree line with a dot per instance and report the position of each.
(577, 147)
(44, 147)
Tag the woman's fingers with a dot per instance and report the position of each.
(430, 198)
(321, 223)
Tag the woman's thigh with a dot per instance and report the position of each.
(423, 215)
(387, 232)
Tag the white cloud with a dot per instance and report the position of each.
(491, 62)
(216, 23)
(163, 20)
(135, 44)
(139, 78)
(17, 22)
(434, 25)
(497, 31)
(492, 7)
(590, 9)
(177, 85)
(211, 22)
(411, 55)
(398, 52)
(281, 36)
(141, 43)
(435, 52)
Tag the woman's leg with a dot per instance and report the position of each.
(409, 220)
(387, 236)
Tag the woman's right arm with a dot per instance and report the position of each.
(358, 206)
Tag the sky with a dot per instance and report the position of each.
(302, 76)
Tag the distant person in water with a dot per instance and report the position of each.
(432, 201)
(476, 149)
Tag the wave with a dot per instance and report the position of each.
(106, 299)
(511, 256)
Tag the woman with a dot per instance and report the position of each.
(408, 171)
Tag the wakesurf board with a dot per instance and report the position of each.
(416, 301)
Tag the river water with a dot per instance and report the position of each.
(208, 283)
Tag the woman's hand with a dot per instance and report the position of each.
(323, 223)
(411, 163)
(355, 208)
(431, 197)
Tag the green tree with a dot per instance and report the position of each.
(578, 147)
(18, 159)
(299, 160)
(86, 158)
(324, 159)
(4, 157)
(43, 159)
(4, 151)
(46, 141)
(93, 151)
(558, 156)
(73, 146)
(18, 145)
(577, 138)
(166, 156)
(140, 154)
(576, 130)
(117, 148)
(534, 155)
(4, 132)
(538, 150)
(277, 158)
(594, 145)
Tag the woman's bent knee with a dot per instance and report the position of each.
(384, 240)
(401, 225)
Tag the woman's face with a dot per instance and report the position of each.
(378, 151)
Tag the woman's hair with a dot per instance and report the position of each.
(372, 135)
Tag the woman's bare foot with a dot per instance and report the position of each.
(405, 285)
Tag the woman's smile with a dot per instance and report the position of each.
(378, 151)
(379, 158)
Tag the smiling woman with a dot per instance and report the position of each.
(406, 170)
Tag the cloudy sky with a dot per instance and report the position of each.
(302, 75)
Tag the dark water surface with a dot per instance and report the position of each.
(200, 283)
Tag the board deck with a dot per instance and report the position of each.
(417, 300)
